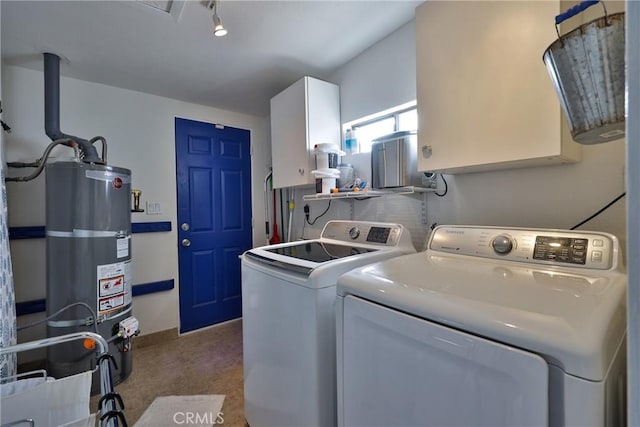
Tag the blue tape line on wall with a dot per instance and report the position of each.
(38, 231)
(40, 305)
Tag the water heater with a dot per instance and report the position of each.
(88, 231)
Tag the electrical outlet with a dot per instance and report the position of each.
(429, 180)
(153, 208)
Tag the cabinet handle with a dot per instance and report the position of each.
(426, 151)
(301, 171)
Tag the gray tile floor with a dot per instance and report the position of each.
(203, 362)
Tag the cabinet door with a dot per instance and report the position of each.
(485, 100)
(303, 115)
(289, 154)
(323, 101)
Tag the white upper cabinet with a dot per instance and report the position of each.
(485, 99)
(303, 115)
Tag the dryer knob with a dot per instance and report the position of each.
(502, 244)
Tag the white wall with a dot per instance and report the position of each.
(381, 77)
(553, 196)
(140, 132)
(550, 197)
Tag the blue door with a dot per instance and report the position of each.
(213, 165)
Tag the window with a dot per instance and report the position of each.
(402, 118)
(408, 120)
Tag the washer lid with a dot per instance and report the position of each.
(306, 256)
(312, 274)
(574, 318)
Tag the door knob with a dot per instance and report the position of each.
(186, 243)
(185, 226)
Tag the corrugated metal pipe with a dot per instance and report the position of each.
(52, 111)
(41, 162)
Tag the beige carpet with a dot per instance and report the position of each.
(203, 410)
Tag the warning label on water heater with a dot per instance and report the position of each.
(122, 246)
(114, 286)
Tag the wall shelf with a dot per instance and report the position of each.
(369, 194)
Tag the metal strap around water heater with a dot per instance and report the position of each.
(83, 322)
(69, 323)
(112, 315)
(84, 233)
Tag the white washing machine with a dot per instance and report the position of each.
(489, 326)
(288, 310)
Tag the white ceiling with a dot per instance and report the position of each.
(135, 46)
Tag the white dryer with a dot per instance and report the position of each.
(489, 326)
(288, 319)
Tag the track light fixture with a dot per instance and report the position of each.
(218, 28)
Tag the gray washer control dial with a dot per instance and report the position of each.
(502, 244)
(354, 232)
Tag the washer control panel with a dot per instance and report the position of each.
(538, 246)
(377, 233)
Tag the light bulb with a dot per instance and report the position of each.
(218, 29)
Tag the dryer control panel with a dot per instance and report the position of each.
(539, 246)
(365, 232)
(565, 249)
